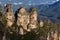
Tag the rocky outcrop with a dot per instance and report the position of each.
(25, 22)
(22, 19)
(9, 15)
(33, 18)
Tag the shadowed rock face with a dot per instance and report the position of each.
(33, 18)
(9, 15)
(1, 13)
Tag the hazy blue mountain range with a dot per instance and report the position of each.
(51, 11)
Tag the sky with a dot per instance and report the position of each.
(28, 2)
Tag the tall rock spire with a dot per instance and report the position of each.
(33, 18)
(9, 6)
(9, 15)
(23, 19)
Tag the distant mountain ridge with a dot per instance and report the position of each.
(51, 11)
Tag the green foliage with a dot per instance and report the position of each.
(42, 31)
(0, 13)
(30, 36)
(4, 20)
(2, 27)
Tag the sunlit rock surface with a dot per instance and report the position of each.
(55, 35)
(9, 15)
(23, 18)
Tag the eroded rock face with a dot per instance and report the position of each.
(9, 15)
(23, 19)
(10, 19)
(33, 18)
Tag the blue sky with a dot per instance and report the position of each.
(28, 2)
